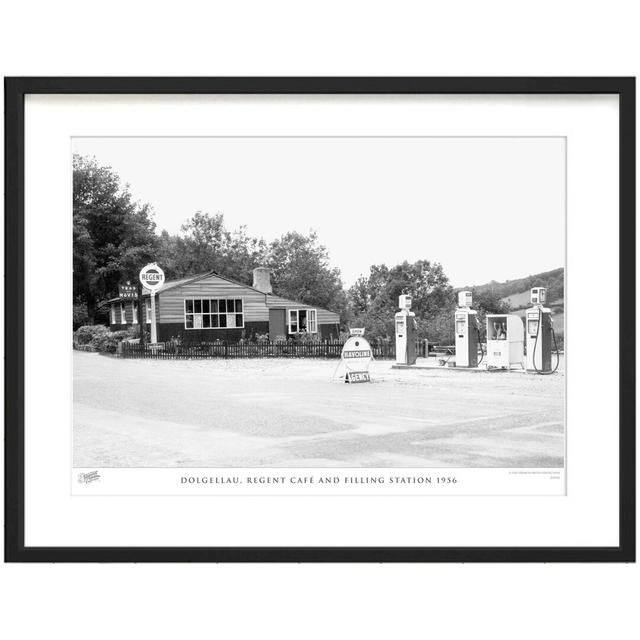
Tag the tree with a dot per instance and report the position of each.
(205, 244)
(204, 238)
(243, 254)
(112, 234)
(373, 301)
(359, 296)
(300, 271)
(488, 301)
(172, 255)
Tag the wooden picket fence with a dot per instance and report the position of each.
(173, 350)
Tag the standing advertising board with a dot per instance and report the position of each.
(357, 356)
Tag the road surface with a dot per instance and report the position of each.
(290, 413)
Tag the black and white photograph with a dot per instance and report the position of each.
(362, 303)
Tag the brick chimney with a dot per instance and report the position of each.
(262, 279)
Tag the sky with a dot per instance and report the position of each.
(485, 208)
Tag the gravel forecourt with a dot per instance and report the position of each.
(291, 413)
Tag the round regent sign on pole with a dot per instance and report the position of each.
(152, 279)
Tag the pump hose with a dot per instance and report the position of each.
(535, 345)
(481, 349)
(449, 358)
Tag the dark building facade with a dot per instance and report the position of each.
(209, 306)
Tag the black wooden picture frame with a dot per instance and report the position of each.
(15, 91)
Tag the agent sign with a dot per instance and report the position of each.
(356, 357)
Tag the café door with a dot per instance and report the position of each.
(277, 323)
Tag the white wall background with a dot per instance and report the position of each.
(330, 38)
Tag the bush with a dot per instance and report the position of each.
(305, 338)
(108, 342)
(87, 334)
(101, 338)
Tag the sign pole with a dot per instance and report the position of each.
(154, 334)
(142, 315)
(152, 279)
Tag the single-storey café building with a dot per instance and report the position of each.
(209, 306)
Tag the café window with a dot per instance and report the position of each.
(123, 313)
(135, 312)
(213, 313)
(302, 321)
(113, 314)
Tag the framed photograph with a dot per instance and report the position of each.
(320, 319)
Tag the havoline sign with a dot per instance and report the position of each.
(356, 357)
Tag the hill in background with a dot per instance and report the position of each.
(517, 293)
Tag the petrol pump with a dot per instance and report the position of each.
(406, 329)
(467, 331)
(540, 334)
(505, 341)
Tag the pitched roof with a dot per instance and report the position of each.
(169, 284)
(172, 284)
(274, 301)
(271, 299)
